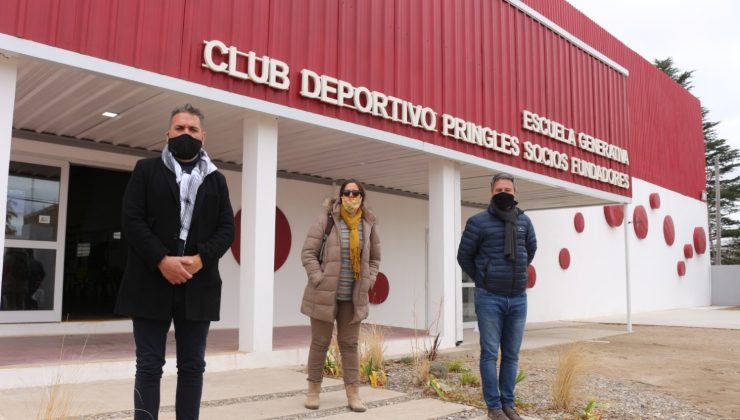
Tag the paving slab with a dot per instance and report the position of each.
(289, 406)
(117, 395)
(415, 409)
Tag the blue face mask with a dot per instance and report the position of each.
(184, 146)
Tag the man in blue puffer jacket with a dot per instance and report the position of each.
(496, 247)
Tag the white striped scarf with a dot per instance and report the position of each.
(189, 184)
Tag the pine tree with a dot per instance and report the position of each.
(729, 162)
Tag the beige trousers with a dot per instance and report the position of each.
(347, 337)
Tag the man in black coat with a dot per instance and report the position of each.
(178, 222)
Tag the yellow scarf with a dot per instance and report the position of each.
(354, 238)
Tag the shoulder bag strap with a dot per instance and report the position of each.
(327, 230)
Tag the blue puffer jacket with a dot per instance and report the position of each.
(481, 253)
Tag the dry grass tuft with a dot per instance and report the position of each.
(372, 355)
(421, 370)
(57, 403)
(333, 361)
(57, 399)
(372, 345)
(570, 368)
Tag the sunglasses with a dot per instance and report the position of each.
(351, 193)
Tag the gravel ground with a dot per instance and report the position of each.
(615, 399)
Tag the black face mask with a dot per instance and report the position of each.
(184, 146)
(503, 201)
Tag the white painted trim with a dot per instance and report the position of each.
(258, 201)
(444, 221)
(568, 36)
(27, 243)
(55, 314)
(8, 82)
(47, 53)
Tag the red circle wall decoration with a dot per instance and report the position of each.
(640, 222)
(669, 231)
(688, 251)
(564, 258)
(283, 238)
(681, 268)
(579, 222)
(379, 292)
(531, 276)
(654, 201)
(614, 215)
(700, 240)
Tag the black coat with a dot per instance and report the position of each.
(151, 226)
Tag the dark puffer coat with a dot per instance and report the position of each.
(481, 253)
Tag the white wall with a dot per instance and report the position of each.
(594, 284)
(655, 282)
(726, 285)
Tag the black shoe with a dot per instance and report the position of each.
(496, 414)
(512, 414)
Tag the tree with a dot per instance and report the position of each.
(729, 162)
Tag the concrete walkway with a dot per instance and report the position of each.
(265, 393)
(724, 317)
(270, 393)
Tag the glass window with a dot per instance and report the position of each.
(468, 298)
(466, 278)
(28, 279)
(33, 202)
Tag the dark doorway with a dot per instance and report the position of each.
(95, 252)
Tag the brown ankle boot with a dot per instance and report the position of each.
(512, 414)
(312, 396)
(353, 398)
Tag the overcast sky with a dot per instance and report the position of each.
(700, 35)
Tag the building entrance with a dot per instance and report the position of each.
(95, 251)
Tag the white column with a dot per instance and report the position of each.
(7, 104)
(256, 272)
(444, 228)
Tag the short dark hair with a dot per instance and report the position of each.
(187, 108)
(359, 187)
(503, 175)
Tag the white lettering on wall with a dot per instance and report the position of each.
(343, 94)
(545, 156)
(559, 132)
(221, 58)
(469, 132)
(246, 66)
(547, 127)
(600, 173)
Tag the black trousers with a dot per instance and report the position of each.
(151, 341)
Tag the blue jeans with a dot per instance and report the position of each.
(151, 340)
(501, 322)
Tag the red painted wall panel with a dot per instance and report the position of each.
(664, 121)
(481, 60)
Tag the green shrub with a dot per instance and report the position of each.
(455, 366)
(469, 379)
